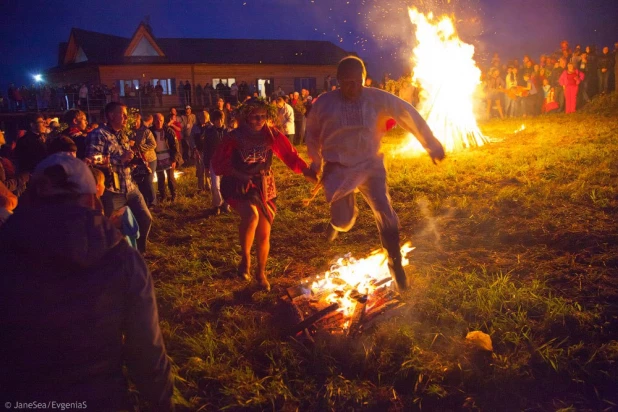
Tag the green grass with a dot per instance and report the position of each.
(518, 239)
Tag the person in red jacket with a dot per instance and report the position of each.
(570, 80)
(244, 161)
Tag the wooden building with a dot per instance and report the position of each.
(130, 63)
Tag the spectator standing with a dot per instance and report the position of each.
(83, 95)
(299, 115)
(529, 98)
(76, 130)
(209, 95)
(593, 77)
(73, 292)
(32, 147)
(285, 115)
(511, 101)
(187, 121)
(559, 68)
(168, 156)
(158, 90)
(583, 68)
(234, 93)
(570, 80)
(199, 91)
(603, 67)
(109, 146)
(495, 89)
(213, 136)
(187, 90)
(145, 145)
(174, 123)
(197, 149)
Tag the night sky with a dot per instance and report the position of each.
(378, 30)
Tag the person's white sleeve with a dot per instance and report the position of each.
(407, 117)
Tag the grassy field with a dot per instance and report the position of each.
(518, 239)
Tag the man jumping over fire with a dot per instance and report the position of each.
(344, 133)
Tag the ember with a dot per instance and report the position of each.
(347, 298)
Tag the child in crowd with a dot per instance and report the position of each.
(122, 218)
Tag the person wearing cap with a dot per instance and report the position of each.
(344, 133)
(109, 146)
(78, 303)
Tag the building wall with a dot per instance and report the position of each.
(202, 74)
(88, 74)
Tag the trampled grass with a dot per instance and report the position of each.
(518, 239)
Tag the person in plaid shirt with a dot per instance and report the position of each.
(108, 146)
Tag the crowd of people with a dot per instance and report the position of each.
(77, 204)
(75, 284)
(558, 82)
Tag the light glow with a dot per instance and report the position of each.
(447, 74)
(350, 277)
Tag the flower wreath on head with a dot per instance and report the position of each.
(253, 104)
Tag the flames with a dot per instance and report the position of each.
(177, 175)
(350, 281)
(445, 71)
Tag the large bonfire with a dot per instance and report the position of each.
(445, 71)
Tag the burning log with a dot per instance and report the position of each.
(313, 318)
(343, 299)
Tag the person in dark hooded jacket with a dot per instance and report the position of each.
(76, 302)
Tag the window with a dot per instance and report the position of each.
(308, 83)
(264, 87)
(169, 85)
(128, 87)
(226, 82)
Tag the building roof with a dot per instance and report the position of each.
(101, 48)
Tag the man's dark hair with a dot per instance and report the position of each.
(112, 107)
(62, 144)
(349, 64)
(33, 117)
(217, 115)
(71, 115)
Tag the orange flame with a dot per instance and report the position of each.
(349, 276)
(447, 74)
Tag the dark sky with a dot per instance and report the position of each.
(378, 30)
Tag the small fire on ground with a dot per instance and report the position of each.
(177, 175)
(347, 298)
(448, 77)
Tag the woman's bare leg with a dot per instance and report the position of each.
(263, 249)
(246, 230)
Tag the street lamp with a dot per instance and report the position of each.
(38, 78)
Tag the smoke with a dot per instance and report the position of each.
(391, 34)
(431, 231)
